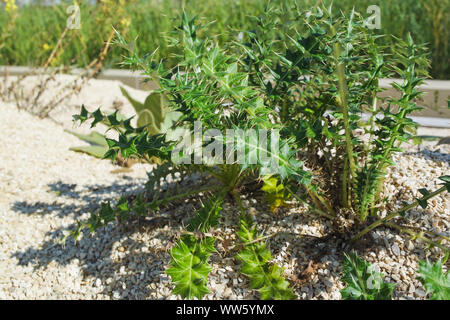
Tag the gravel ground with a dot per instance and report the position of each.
(45, 189)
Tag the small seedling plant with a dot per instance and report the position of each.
(435, 281)
(362, 281)
(309, 84)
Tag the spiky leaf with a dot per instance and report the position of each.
(362, 281)
(206, 217)
(189, 267)
(367, 179)
(434, 280)
(446, 183)
(256, 264)
(275, 193)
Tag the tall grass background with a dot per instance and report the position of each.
(28, 38)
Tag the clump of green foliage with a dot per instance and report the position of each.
(153, 113)
(310, 82)
(434, 280)
(362, 281)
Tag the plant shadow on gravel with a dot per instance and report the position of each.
(130, 258)
(64, 192)
(99, 255)
(94, 254)
(430, 153)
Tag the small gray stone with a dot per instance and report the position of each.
(395, 249)
(420, 292)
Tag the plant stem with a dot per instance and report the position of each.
(261, 238)
(431, 233)
(417, 235)
(321, 200)
(387, 152)
(312, 208)
(238, 200)
(397, 213)
(344, 195)
(349, 169)
(188, 193)
(372, 119)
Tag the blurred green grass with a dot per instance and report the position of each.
(37, 28)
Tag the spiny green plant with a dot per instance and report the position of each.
(189, 266)
(362, 281)
(311, 85)
(320, 78)
(434, 280)
(98, 144)
(154, 113)
(256, 263)
(209, 76)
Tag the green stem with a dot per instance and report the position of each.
(322, 201)
(344, 194)
(312, 208)
(431, 233)
(383, 164)
(188, 193)
(417, 235)
(367, 150)
(372, 119)
(343, 93)
(405, 98)
(397, 213)
(314, 199)
(238, 200)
